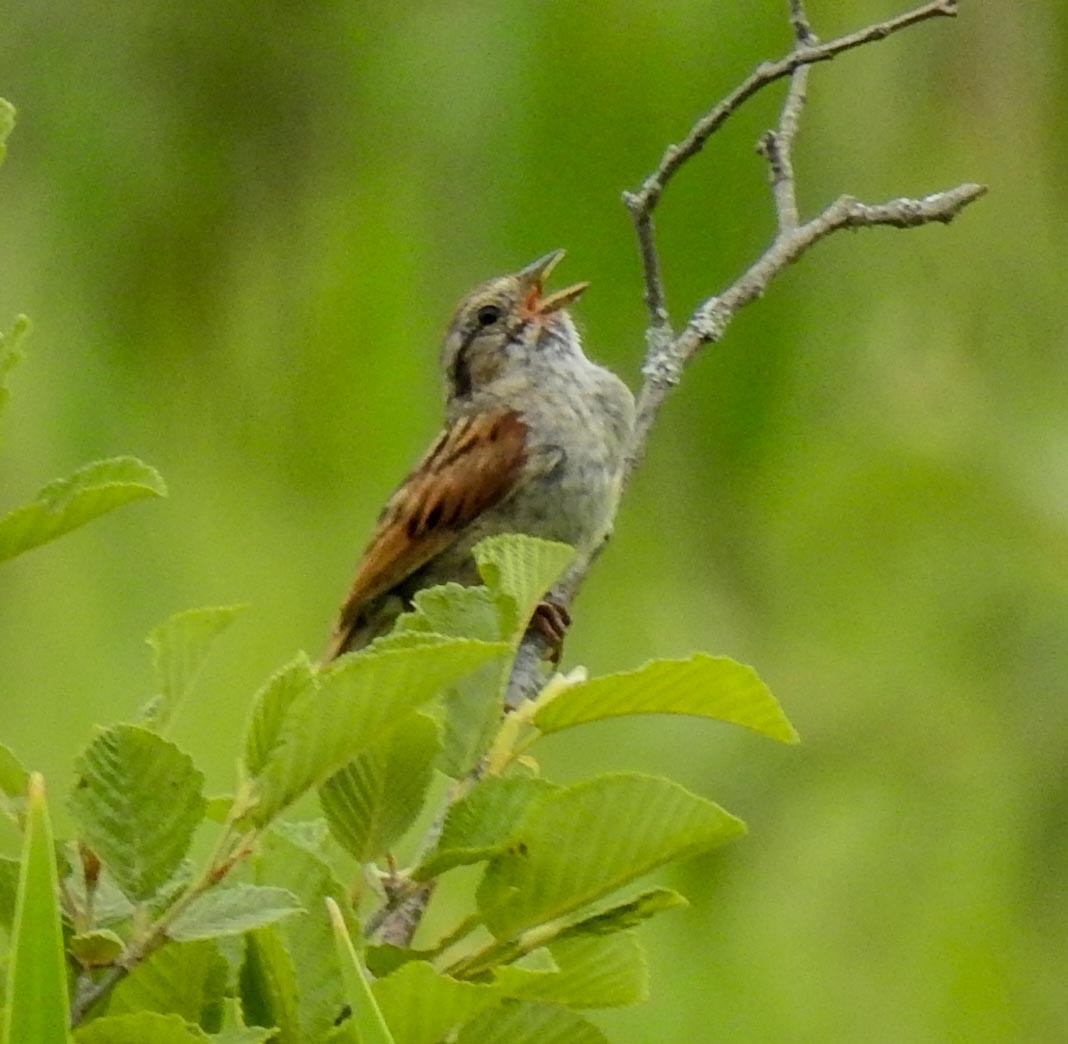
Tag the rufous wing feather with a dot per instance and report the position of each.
(472, 466)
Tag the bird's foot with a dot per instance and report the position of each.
(551, 620)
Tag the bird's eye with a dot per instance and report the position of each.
(488, 315)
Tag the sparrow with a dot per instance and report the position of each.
(535, 441)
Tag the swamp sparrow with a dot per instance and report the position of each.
(535, 441)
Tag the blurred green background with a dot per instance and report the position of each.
(240, 228)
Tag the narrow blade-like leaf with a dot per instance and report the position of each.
(13, 782)
(36, 1006)
(367, 1019)
(72, 502)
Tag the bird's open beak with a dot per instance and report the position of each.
(532, 280)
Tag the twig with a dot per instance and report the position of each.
(776, 146)
(711, 319)
(667, 354)
(229, 849)
(652, 188)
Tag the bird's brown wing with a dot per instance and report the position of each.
(473, 465)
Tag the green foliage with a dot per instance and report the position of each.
(258, 939)
(295, 856)
(233, 911)
(422, 1006)
(36, 1003)
(96, 948)
(703, 686)
(367, 732)
(530, 1022)
(71, 502)
(348, 706)
(372, 801)
(140, 1028)
(180, 646)
(578, 844)
(182, 979)
(367, 1020)
(479, 824)
(137, 800)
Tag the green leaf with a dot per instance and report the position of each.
(110, 906)
(578, 844)
(628, 914)
(180, 647)
(608, 971)
(7, 125)
(421, 1006)
(373, 800)
(291, 856)
(178, 979)
(72, 502)
(36, 1003)
(530, 1022)
(98, 947)
(458, 612)
(472, 718)
(355, 701)
(268, 986)
(702, 685)
(269, 709)
(137, 800)
(144, 1027)
(243, 1035)
(231, 911)
(523, 568)
(480, 824)
(10, 353)
(367, 1019)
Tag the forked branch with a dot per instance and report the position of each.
(668, 352)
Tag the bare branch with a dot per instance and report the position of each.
(776, 146)
(647, 197)
(799, 20)
(711, 319)
(667, 355)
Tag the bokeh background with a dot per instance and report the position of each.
(239, 229)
